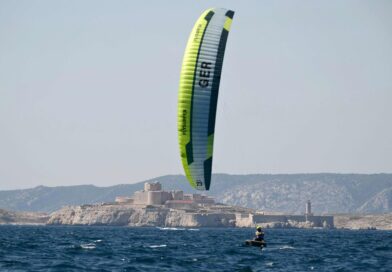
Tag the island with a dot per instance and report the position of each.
(154, 206)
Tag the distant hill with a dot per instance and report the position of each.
(381, 202)
(329, 193)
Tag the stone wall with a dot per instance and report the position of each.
(291, 220)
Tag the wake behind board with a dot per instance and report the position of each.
(255, 243)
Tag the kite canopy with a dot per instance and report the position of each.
(198, 94)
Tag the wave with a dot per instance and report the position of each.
(88, 246)
(157, 246)
(165, 228)
(287, 247)
(172, 228)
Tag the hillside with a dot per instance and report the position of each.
(329, 193)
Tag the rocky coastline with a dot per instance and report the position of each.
(113, 214)
(366, 221)
(22, 218)
(160, 216)
(139, 216)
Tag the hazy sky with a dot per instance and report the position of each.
(88, 89)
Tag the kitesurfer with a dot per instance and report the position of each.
(259, 234)
(258, 241)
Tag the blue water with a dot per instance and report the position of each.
(28, 248)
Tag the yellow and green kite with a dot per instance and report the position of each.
(198, 94)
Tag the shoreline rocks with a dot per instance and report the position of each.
(22, 218)
(360, 222)
(161, 216)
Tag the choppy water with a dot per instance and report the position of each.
(27, 248)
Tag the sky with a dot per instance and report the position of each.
(88, 89)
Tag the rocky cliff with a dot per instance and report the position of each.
(129, 215)
(22, 218)
(160, 216)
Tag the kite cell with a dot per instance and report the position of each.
(198, 94)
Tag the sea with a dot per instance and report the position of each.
(101, 248)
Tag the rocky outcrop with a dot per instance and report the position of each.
(381, 221)
(22, 218)
(90, 215)
(130, 215)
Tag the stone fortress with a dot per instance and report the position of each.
(155, 207)
(191, 210)
(154, 195)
